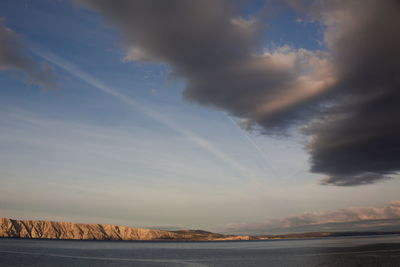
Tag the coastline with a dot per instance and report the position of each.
(50, 230)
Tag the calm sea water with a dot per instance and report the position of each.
(349, 251)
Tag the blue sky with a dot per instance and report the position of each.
(115, 142)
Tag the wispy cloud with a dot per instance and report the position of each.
(109, 152)
(13, 58)
(161, 118)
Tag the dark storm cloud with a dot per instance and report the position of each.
(352, 89)
(12, 58)
(219, 54)
(357, 141)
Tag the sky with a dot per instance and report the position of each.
(239, 116)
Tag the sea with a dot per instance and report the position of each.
(334, 251)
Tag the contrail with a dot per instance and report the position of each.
(262, 153)
(254, 144)
(89, 79)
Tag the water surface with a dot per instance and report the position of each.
(343, 251)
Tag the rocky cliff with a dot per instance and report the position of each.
(67, 230)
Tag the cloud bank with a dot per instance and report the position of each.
(355, 215)
(347, 94)
(13, 58)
